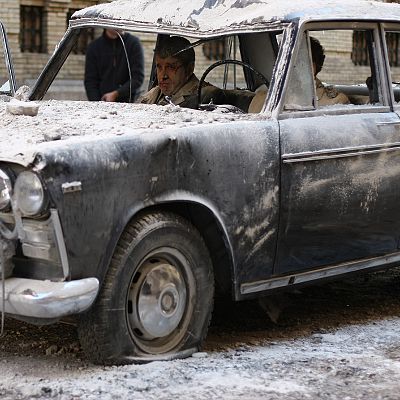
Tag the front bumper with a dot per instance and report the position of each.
(46, 299)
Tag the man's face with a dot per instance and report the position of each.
(171, 74)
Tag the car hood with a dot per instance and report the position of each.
(21, 137)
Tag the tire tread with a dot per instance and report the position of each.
(94, 333)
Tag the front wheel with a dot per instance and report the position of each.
(156, 299)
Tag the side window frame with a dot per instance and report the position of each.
(389, 27)
(298, 85)
(379, 65)
(286, 53)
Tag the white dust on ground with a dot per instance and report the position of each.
(353, 362)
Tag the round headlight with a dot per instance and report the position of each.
(29, 193)
(5, 190)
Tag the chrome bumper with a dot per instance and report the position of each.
(46, 299)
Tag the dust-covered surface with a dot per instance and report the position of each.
(335, 341)
(217, 15)
(77, 120)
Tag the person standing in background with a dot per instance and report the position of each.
(106, 68)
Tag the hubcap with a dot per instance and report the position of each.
(158, 297)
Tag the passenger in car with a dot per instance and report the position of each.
(326, 94)
(177, 83)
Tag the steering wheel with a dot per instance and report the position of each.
(222, 62)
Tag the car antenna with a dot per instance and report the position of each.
(129, 67)
(191, 46)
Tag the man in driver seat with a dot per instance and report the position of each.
(177, 84)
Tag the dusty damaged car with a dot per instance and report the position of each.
(137, 212)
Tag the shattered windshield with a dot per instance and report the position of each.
(163, 69)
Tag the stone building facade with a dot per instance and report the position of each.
(47, 21)
(340, 66)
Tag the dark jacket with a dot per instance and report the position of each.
(106, 68)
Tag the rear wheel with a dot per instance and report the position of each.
(156, 299)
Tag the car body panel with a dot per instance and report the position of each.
(181, 165)
(343, 173)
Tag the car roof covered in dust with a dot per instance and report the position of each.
(200, 18)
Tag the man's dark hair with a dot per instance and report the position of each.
(172, 46)
(317, 52)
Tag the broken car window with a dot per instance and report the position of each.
(233, 64)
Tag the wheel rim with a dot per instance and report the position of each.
(159, 303)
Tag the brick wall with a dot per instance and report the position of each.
(29, 65)
(338, 66)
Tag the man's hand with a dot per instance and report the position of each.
(110, 96)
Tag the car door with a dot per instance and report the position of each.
(340, 163)
(392, 41)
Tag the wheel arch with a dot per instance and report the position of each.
(210, 227)
(213, 233)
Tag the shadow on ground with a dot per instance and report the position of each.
(303, 312)
(312, 309)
